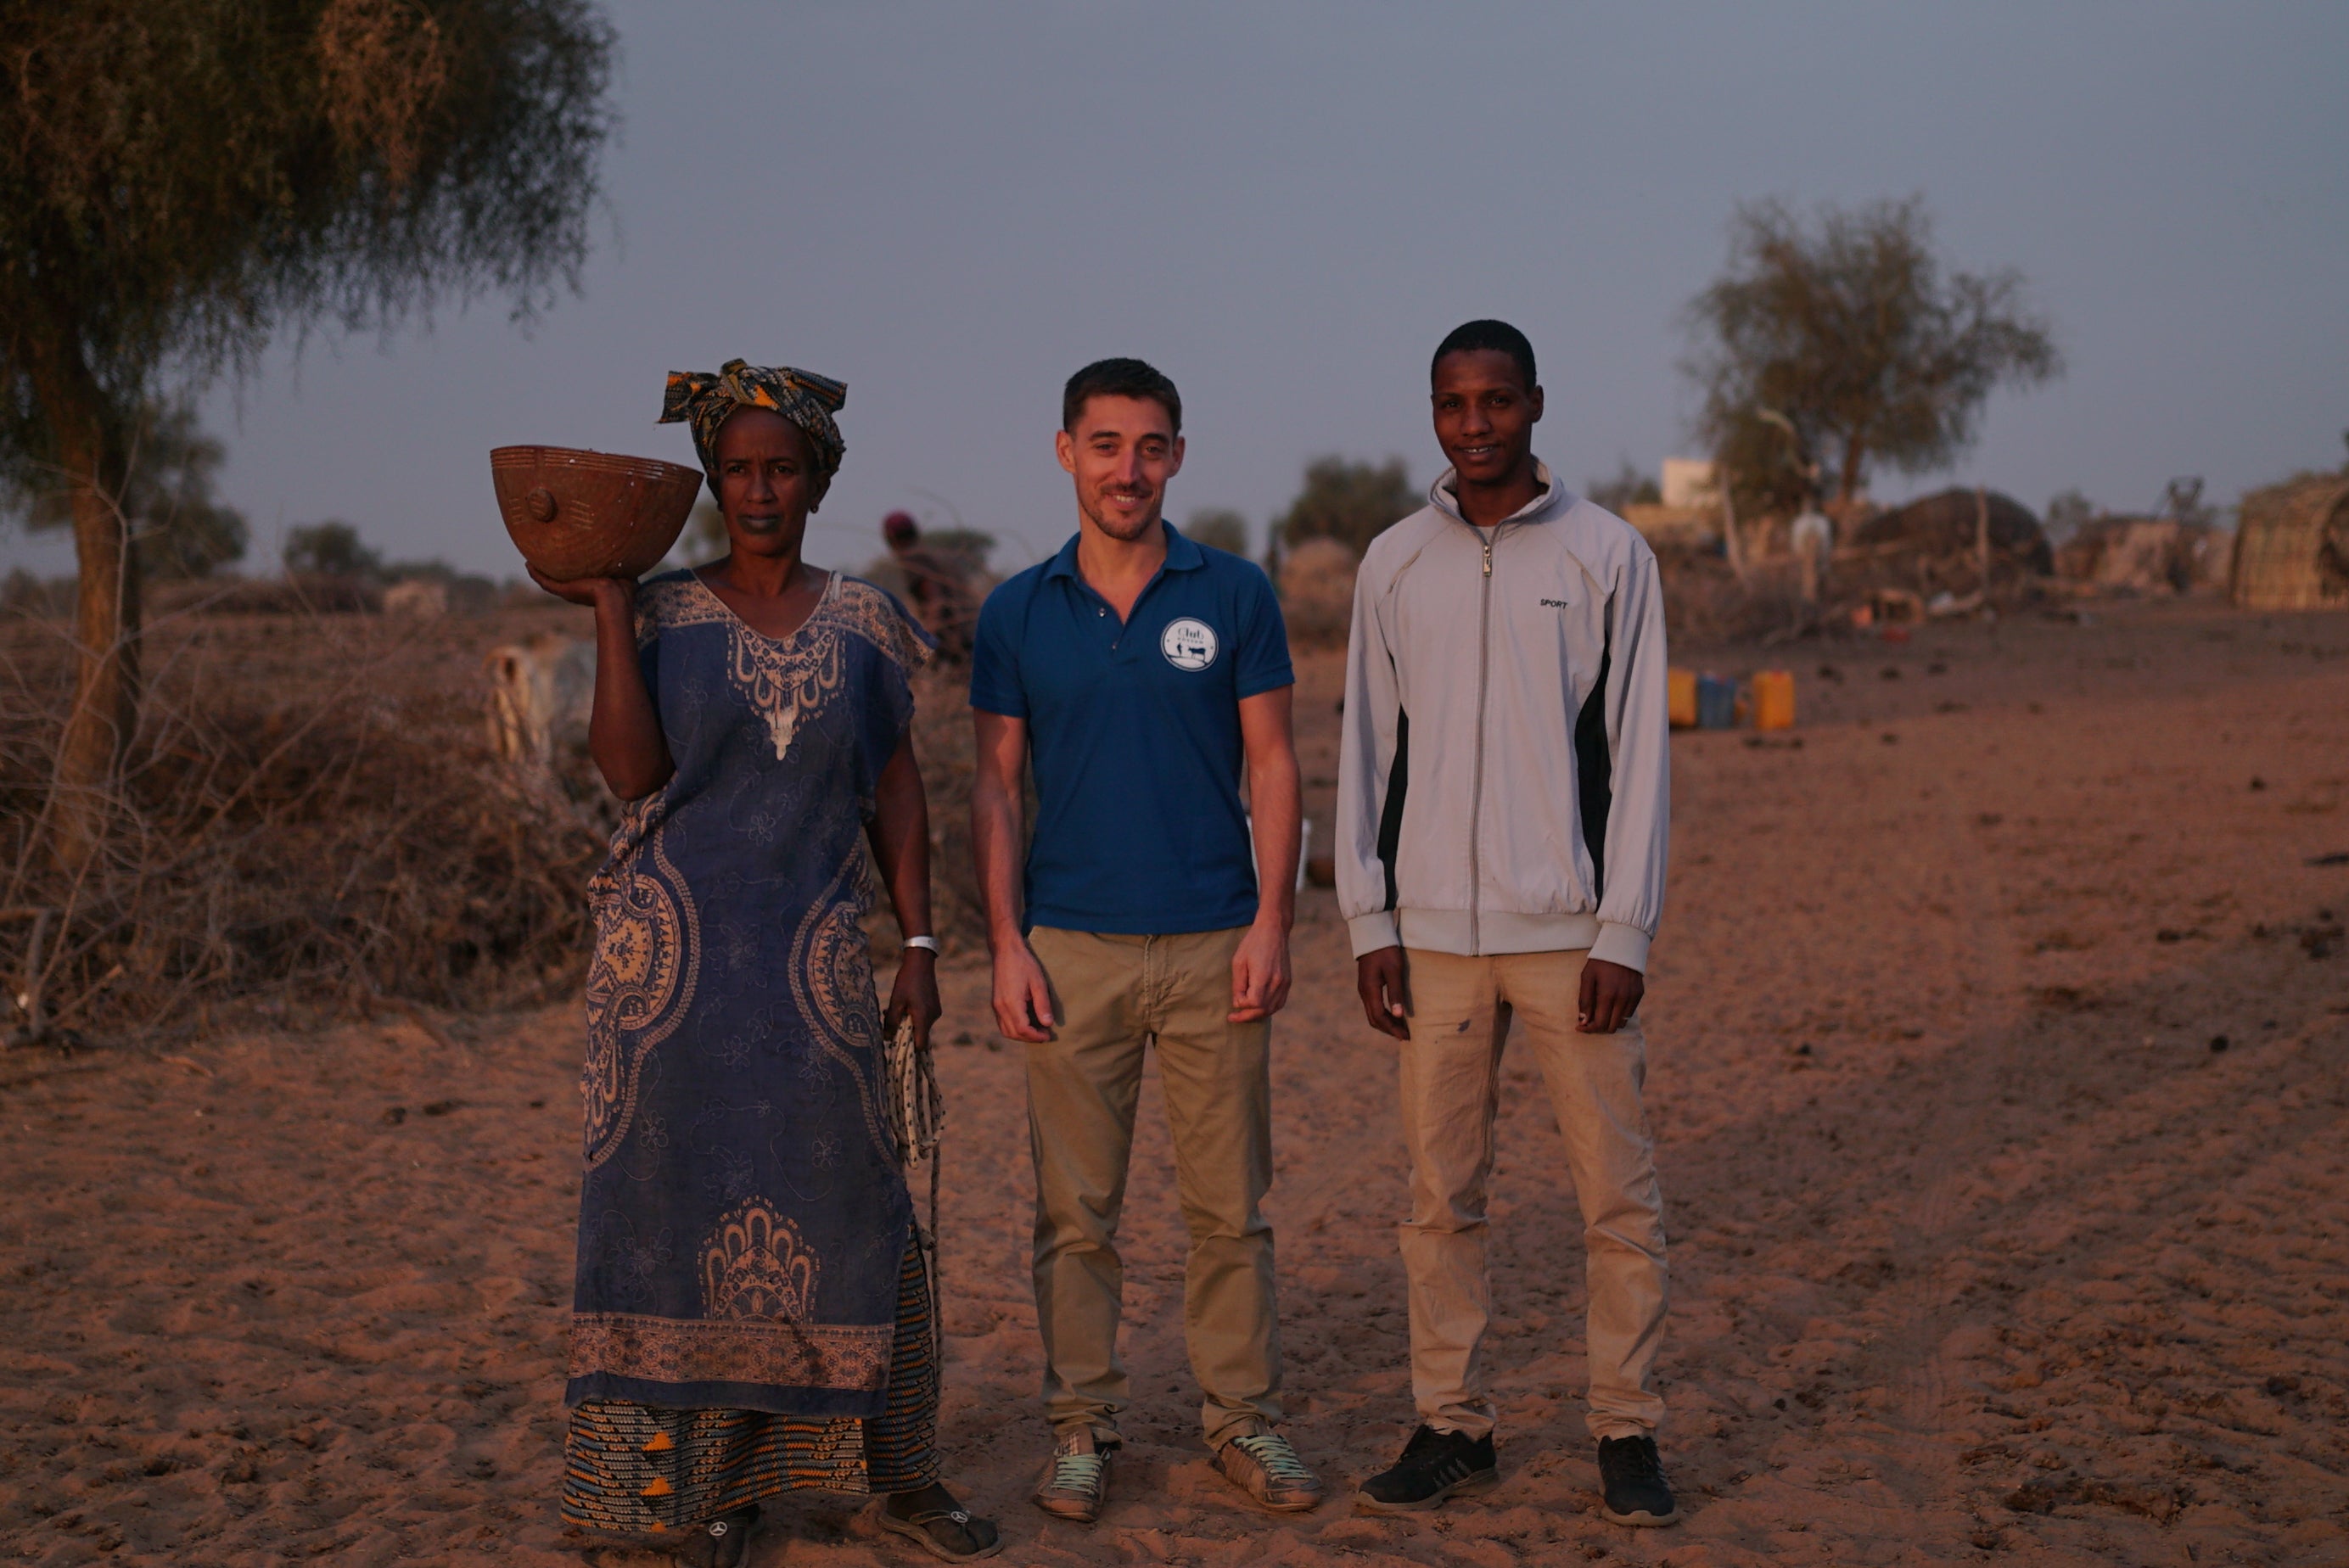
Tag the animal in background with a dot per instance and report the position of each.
(542, 690)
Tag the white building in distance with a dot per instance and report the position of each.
(1689, 482)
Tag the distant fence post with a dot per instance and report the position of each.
(1729, 538)
(28, 999)
(1982, 538)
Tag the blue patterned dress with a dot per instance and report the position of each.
(750, 1312)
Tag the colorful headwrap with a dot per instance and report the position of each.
(707, 401)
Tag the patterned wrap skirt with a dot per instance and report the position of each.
(645, 1469)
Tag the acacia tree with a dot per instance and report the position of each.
(181, 180)
(1629, 487)
(1219, 526)
(1825, 349)
(328, 549)
(177, 529)
(1350, 501)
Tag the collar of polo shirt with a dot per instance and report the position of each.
(1182, 555)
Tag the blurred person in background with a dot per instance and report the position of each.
(1502, 793)
(938, 588)
(752, 1313)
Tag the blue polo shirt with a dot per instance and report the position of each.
(1134, 734)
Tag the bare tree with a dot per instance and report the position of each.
(1843, 344)
(180, 180)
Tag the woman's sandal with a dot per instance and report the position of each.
(720, 1543)
(951, 1534)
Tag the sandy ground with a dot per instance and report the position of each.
(2001, 1074)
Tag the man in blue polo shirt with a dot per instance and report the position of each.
(1142, 674)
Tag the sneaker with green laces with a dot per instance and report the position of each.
(1076, 1483)
(1264, 1465)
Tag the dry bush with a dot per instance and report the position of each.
(1317, 591)
(304, 594)
(1706, 605)
(307, 820)
(945, 746)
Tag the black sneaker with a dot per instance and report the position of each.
(1632, 1477)
(1434, 1466)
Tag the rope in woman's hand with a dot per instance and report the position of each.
(917, 1119)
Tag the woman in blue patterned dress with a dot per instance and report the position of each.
(751, 1313)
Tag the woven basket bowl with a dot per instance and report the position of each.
(576, 514)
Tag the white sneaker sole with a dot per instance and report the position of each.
(1067, 1508)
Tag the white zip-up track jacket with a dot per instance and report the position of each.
(1504, 779)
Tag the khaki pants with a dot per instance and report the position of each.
(1459, 1012)
(1112, 994)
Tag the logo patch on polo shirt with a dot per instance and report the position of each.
(1188, 645)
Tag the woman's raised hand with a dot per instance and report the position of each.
(624, 729)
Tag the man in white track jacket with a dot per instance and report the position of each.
(1502, 802)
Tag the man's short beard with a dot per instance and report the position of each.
(1148, 522)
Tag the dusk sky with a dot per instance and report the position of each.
(1286, 206)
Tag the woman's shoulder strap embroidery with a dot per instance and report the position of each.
(672, 600)
(874, 613)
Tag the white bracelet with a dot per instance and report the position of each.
(931, 942)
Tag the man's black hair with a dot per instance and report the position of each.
(1119, 379)
(1471, 336)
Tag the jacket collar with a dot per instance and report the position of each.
(1443, 496)
(1182, 555)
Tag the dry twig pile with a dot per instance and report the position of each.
(308, 819)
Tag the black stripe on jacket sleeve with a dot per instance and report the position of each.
(1594, 776)
(1391, 814)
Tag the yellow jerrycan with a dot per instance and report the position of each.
(1773, 699)
(1679, 702)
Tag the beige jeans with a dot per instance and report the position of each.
(1459, 1012)
(1113, 996)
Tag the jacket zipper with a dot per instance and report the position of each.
(1476, 788)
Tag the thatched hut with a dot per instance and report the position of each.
(1945, 525)
(2292, 545)
(1932, 546)
(2145, 554)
